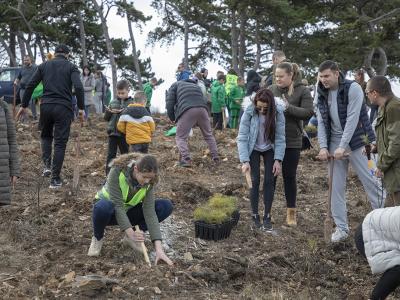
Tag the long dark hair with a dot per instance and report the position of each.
(83, 71)
(264, 95)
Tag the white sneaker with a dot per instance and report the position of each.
(95, 247)
(130, 243)
(339, 235)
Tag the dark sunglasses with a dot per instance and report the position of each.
(261, 108)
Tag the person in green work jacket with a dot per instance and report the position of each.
(235, 103)
(127, 200)
(148, 88)
(218, 102)
(387, 128)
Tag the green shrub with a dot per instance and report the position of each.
(217, 210)
(310, 129)
(224, 203)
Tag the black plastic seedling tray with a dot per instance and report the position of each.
(216, 232)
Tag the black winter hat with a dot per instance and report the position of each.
(62, 48)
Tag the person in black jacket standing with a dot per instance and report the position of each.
(56, 110)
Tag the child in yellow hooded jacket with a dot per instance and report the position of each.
(137, 124)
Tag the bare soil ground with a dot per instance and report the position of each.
(43, 242)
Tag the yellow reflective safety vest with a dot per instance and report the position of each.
(124, 186)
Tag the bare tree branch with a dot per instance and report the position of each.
(381, 18)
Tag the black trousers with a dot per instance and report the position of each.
(55, 123)
(217, 120)
(269, 190)
(115, 143)
(142, 148)
(289, 172)
(387, 284)
(389, 281)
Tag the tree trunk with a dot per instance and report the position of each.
(82, 36)
(28, 46)
(258, 47)
(13, 61)
(21, 44)
(242, 42)
(234, 42)
(134, 54)
(34, 52)
(381, 68)
(109, 45)
(41, 49)
(29, 50)
(12, 45)
(186, 44)
(378, 56)
(277, 39)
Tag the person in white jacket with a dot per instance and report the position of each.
(378, 239)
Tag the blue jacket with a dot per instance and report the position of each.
(184, 75)
(248, 132)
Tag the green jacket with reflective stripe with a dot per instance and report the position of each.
(124, 192)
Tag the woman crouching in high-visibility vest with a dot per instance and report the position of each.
(127, 200)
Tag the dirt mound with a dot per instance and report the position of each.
(45, 234)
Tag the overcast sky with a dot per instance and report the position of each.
(164, 61)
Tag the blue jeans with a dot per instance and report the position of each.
(104, 215)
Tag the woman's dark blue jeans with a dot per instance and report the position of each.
(269, 190)
(104, 215)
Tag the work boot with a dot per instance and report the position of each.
(95, 247)
(339, 235)
(291, 218)
(256, 220)
(132, 244)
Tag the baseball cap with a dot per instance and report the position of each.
(62, 48)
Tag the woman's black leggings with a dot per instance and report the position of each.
(289, 171)
(268, 158)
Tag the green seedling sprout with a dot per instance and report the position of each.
(217, 210)
(310, 129)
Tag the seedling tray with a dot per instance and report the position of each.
(216, 232)
(213, 232)
(235, 218)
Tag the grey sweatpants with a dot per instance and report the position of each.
(359, 163)
(191, 117)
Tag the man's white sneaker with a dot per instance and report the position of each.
(95, 247)
(132, 244)
(339, 235)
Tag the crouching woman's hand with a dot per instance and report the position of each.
(160, 254)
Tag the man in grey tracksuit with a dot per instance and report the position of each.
(344, 122)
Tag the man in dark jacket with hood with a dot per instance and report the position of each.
(56, 110)
(343, 123)
(187, 107)
(253, 82)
